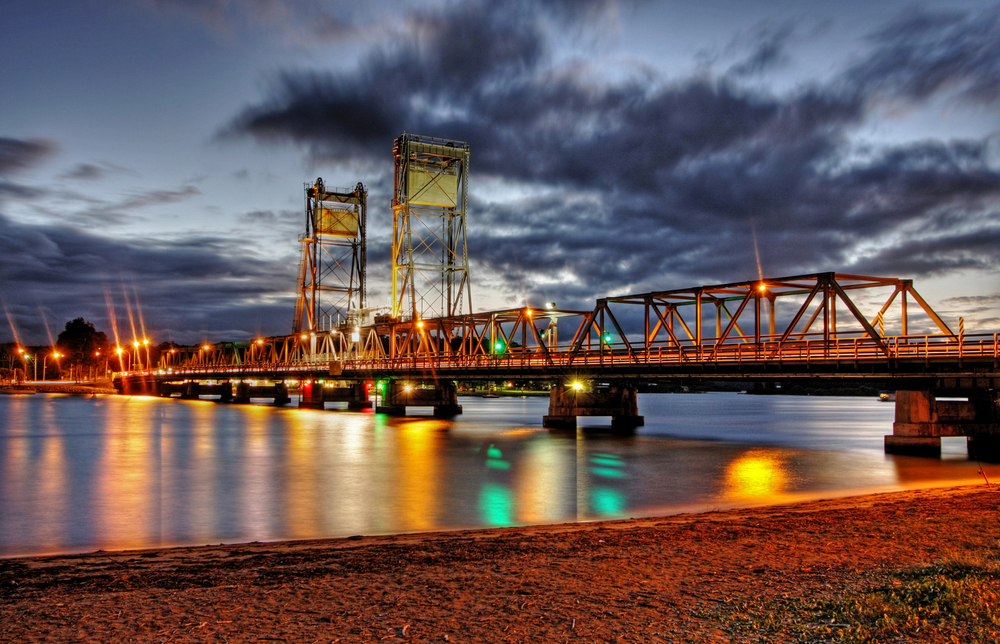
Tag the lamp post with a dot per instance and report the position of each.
(25, 357)
(121, 360)
(145, 343)
(55, 355)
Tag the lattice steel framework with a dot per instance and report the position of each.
(430, 257)
(332, 268)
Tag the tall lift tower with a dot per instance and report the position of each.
(430, 257)
(332, 267)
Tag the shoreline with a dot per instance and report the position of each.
(651, 579)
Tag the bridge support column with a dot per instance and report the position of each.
(311, 394)
(242, 396)
(443, 398)
(448, 396)
(620, 402)
(359, 398)
(281, 396)
(225, 392)
(192, 390)
(921, 421)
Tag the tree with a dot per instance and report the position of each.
(81, 344)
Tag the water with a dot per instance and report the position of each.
(112, 472)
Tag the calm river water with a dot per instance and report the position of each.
(112, 472)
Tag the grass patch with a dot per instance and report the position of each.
(951, 601)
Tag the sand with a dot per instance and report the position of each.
(668, 579)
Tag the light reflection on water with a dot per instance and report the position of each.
(113, 472)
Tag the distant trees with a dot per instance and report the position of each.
(82, 346)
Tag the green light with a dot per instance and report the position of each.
(606, 501)
(498, 347)
(378, 386)
(607, 338)
(496, 503)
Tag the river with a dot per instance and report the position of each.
(113, 472)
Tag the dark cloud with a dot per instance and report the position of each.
(656, 182)
(926, 52)
(85, 172)
(19, 154)
(188, 289)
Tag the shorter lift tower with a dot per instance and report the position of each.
(332, 268)
(430, 257)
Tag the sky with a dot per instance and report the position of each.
(153, 152)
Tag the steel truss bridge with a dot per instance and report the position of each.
(799, 326)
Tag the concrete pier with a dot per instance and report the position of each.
(443, 397)
(922, 419)
(619, 401)
(314, 394)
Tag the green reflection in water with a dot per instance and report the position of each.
(607, 466)
(496, 503)
(495, 464)
(607, 501)
(493, 452)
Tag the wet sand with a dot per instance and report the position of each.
(644, 580)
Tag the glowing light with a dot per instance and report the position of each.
(550, 306)
(119, 350)
(757, 474)
(206, 347)
(498, 346)
(528, 312)
(408, 388)
(260, 342)
(420, 324)
(145, 341)
(303, 336)
(607, 338)
(762, 288)
(578, 386)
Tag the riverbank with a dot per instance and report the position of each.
(760, 574)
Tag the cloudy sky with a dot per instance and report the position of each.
(153, 152)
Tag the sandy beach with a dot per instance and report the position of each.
(731, 576)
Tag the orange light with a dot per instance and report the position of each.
(528, 312)
(762, 287)
(260, 342)
(145, 341)
(420, 324)
(119, 350)
(303, 336)
(206, 347)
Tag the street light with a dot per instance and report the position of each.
(26, 357)
(121, 363)
(55, 355)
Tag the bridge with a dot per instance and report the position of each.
(785, 329)
(821, 325)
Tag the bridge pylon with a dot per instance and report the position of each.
(331, 285)
(430, 257)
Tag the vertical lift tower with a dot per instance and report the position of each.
(332, 268)
(430, 257)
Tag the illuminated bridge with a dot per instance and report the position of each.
(824, 325)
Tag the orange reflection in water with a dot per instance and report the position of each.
(127, 486)
(542, 495)
(757, 475)
(419, 447)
